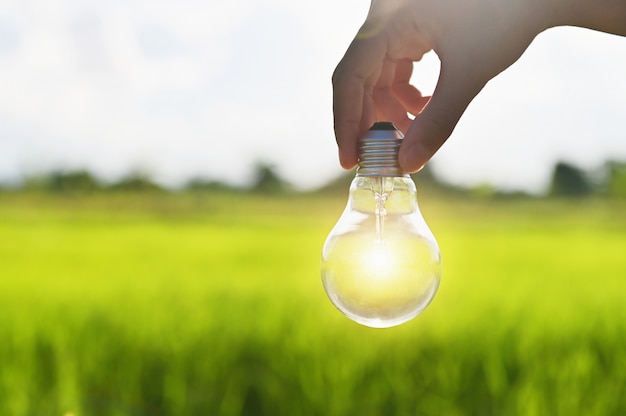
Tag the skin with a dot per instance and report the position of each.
(474, 39)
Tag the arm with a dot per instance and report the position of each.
(603, 15)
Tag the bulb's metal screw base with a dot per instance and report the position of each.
(378, 151)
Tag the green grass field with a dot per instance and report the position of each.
(213, 305)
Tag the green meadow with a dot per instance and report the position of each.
(212, 304)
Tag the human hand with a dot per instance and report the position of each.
(474, 39)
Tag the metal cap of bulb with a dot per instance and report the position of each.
(378, 151)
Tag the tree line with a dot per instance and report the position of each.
(567, 180)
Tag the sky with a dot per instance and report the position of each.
(208, 89)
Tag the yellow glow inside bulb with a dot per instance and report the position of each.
(381, 265)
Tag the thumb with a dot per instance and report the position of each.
(432, 127)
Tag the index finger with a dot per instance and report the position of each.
(353, 106)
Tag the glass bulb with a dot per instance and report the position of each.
(381, 265)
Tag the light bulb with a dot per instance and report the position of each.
(381, 265)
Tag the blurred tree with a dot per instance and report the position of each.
(267, 181)
(208, 185)
(71, 182)
(568, 180)
(426, 179)
(136, 182)
(616, 179)
(483, 190)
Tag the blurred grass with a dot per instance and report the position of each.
(211, 304)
